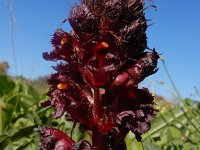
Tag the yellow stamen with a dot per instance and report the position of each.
(102, 91)
(62, 86)
(63, 41)
(100, 46)
(104, 45)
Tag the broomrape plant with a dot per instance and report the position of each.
(103, 59)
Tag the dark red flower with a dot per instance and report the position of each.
(53, 139)
(103, 61)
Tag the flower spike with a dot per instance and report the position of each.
(104, 59)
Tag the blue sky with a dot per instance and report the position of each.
(175, 34)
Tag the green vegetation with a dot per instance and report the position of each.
(177, 127)
(20, 113)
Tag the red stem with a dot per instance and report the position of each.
(97, 107)
(99, 141)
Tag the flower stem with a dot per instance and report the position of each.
(1, 115)
(97, 108)
(99, 141)
(172, 82)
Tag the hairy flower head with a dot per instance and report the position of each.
(104, 58)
